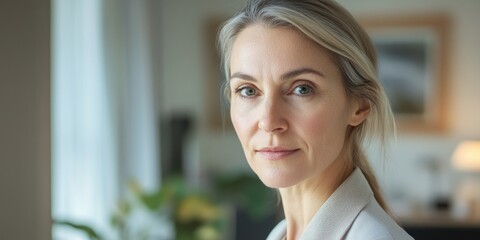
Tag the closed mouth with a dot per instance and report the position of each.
(276, 153)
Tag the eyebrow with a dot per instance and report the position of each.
(287, 75)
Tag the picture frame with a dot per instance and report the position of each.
(412, 63)
(218, 113)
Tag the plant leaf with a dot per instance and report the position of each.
(89, 231)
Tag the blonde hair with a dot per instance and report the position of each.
(334, 28)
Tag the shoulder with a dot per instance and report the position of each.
(374, 223)
(279, 231)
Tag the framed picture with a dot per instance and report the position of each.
(413, 68)
(217, 105)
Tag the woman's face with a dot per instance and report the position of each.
(288, 105)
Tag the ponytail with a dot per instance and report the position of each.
(359, 160)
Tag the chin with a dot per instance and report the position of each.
(277, 181)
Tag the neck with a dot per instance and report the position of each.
(302, 201)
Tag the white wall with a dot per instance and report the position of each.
(25, 120)
(184, 86)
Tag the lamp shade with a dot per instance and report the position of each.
(467, 156)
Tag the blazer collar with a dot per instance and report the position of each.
(334, 218)
(337, 214)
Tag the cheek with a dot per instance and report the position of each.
(324, 132)
(242, 121)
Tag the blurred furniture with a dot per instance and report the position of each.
(461, 220)
(175, 130)
(247, 227)
(440, 226)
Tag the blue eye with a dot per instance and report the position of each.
(247, 91)
(302, 90)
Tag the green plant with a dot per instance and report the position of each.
(194, 214)
(89, 231)
(248, 192)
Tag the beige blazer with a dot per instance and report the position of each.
(351, 212)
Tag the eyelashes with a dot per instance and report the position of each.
(246, 91)
(300, 88)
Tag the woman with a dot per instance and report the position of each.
(302, 85)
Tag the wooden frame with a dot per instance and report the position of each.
(413, 67)
(217, 106)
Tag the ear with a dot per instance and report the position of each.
(360, 110)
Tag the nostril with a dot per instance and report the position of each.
(271, 118)
(272, 125)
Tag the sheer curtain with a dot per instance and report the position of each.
(104, 129)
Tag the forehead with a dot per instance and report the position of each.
(281, 47)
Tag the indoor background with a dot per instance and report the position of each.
(111, 121)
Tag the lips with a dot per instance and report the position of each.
(276, 153)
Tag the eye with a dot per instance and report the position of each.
(247, 91)
(302, 90)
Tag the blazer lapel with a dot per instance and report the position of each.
(337, 214)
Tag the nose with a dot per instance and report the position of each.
(272, 119)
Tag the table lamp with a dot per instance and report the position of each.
(466, 157)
